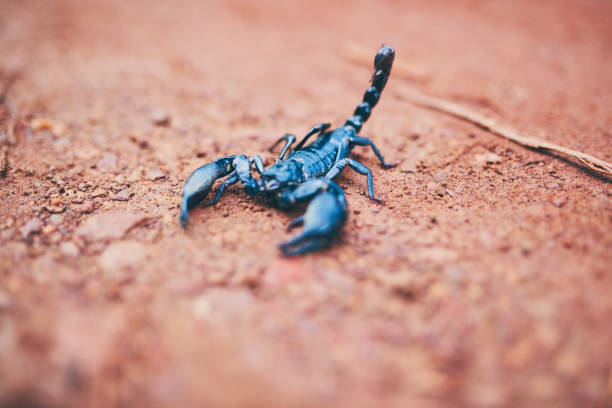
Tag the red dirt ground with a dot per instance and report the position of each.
(484, 280)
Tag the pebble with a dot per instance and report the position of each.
(487, 158)
(109, 226)
(31, 227)
(8, 223)
(435, 188)
(85, 208)
(69, 249)
(108, 161)
(155, 174)
(160, 117)
(133, 177)
(121, 257)
(55, 126)
(559, 200)
(55, 206)
(123, 195)
(78, 198)
(408, 167)
(98, 192)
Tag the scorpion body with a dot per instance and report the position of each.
(303, 174)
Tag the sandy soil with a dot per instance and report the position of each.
(483, 281)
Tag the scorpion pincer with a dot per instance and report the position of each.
(302, 174)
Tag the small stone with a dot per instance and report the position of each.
(69, 249)
(436, 189)
(48, 229)
(31, 227)
(85, 208)
(408, 167)
(155, 174)
(8, 223)
(115, 188)
(133, 177)
(559, 200)
(55, 126)
(78, 198)
(123, 195)
(526, 247)
(109, 226)
(51, 191)
(160, 117)
(107, 162)
(98, 192)
(487, 158)
(439, 291)
(55, 206)
(121, 257)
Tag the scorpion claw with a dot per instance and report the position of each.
(198, 185)
(324, 217)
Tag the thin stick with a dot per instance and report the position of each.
(582, 159)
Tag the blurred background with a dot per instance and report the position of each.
(483, 280)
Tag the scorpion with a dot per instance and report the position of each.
(303, 174)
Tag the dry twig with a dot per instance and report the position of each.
(582, 159)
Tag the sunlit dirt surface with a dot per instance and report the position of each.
(484, 280)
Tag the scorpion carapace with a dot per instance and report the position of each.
(302, 174)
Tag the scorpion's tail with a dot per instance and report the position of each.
(382, 69)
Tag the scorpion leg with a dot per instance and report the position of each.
(258, 163)
(365, 141)
(320, 128)
(325, 215)
(359, 168)
(199, 183)
(289, 140)
(230, 181)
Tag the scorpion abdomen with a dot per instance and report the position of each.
(319, 156)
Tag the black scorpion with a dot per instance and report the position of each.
(302, 174)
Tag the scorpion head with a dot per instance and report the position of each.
(280, 175)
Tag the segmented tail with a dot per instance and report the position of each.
(382, 68)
